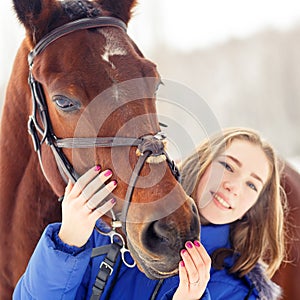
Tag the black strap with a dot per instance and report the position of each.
(106, 269)
(97, 142)
(135, 174)
(157, 288)
(100, 250)
(65, 29)
(252, 287)
(114, 280)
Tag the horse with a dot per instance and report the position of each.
(288, 274)
(90, 101)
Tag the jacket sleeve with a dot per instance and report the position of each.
(55, 270)
(206, 295)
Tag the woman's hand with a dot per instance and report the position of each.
(194, 272)
(82, 206)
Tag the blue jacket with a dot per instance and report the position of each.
(58, 271)
(223, 285)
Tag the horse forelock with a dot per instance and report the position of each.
(81, 9)
(87, 9)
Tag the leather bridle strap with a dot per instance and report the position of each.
(106, 267)
(135, 174)
(66, 168)
(86, 23)
(150, 146)
(97, 142)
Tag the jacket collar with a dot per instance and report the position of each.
(266, 288)
(215, 236)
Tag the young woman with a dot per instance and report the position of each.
(234, 179)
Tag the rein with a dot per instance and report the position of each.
(147, 146)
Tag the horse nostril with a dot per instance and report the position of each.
(158, 235)
(170, 233)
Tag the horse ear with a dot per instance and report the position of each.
(35, 15)
(121, 9)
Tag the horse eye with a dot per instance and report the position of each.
(65, 104)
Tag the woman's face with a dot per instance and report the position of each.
(231, 185)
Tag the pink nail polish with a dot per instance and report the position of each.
(189, 245)
(196, 243)
(115, 182)
(113, 200)
(183, 251)
(107, 173)
(182, 263)
(97, 168)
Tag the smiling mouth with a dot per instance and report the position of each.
(221, 201)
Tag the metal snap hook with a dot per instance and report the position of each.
(123, 251)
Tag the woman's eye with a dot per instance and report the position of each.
(226, 166)
(252, 186)
(65, 104)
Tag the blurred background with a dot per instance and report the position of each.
(239, 58)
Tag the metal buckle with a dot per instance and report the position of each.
(107, 266)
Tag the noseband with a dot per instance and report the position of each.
(148, 145)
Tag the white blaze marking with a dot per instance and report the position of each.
(112, 47)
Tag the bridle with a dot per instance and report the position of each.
(148, 145)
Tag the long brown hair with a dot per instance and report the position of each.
(259, 236)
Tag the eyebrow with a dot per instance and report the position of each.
(240, 165)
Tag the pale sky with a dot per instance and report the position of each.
(205, 23)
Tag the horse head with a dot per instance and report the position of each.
(94, 103)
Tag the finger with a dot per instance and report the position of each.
(64, 199)
(183, 276)
(183, 290)
(192, 259)
(95, 185)
(83, 181)
(103, 209)
(205, 258)
(68, 188)
(96, 200)
(203, 264)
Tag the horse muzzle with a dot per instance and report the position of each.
(156, 246)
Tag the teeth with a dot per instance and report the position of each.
(223, 202)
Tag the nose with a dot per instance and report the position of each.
(232, 187)
(170, 233)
